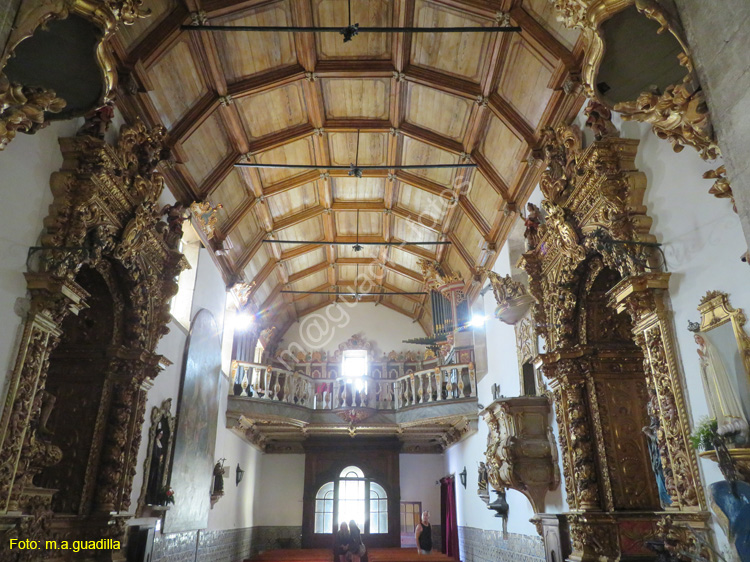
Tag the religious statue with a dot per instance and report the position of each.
(97, 121)
(218, 478)
(723, 401)
(482, 489)
(175, 214)
(599, 120)
(206, 215)
(532, 222)
(156, 468)
(652, 431)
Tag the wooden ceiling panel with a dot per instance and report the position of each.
(311, 229)
(305, 261)
(260, 259)
(503, 149)
(232, 192)
(471, 238)
(370, 223)
(369, 274)
(245, 54)
(418, 153)
(410, 231)
(457, 54)
(544, 12)
(293, 201)
(453, 118)
(402, 282)
(206, 147)
(265, 289)
(298, 152)
(404, 259)
(310, 302)
(373, 148)
(457, 264)
(367, 13)
(430, 207)
(358, 189)
(274, 110)
(356, 98)
(525, 78)
(176, 83)
(246, 231)
(484, 197)
(310, 282)
(403, 303)
(129, 35)
(347, 252)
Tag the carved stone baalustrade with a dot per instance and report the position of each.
(103, 225)
(428, 410)
(521, 453)
(611, 374)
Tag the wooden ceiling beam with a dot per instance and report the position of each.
(388, 304)
(265, 81)
(489, 173)
(250, 252)
(406, 272)
(443, 82)
(302, 16)
(423, 183)
(217, 175)
(160, 39)
(432, 225)
(291, 183)
(285, 136)
(294, 253)
(354, 69)
(314, 308)
(324, 287)
(394, 289)
(353, 125)
(510, 117)
(462, 252)
(194, 118)
(430, 137)
(532, 30)
(247, 206)
(263, 274)
(296, 218)
(294, 277)
(474, 216)
(417, 251)
(271, 298)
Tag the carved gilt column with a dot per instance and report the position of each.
(642, 296)
(51, 300)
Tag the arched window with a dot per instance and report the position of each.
(352, 496)
(324, 509)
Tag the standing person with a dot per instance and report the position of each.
(341, 543)
(423, 534)
(357, 550)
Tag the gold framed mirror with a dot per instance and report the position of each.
(724, 351)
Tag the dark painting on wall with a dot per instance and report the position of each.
(192, 468)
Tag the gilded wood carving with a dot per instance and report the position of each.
(679, 114)
(596, 259)
(104, 217)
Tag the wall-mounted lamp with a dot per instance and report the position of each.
(462, 476)
(239, 474)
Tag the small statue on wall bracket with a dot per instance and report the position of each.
(495, 388)
(482, 490)
(532, 221)
(217, 491)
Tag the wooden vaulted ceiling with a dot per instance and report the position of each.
(279, 97)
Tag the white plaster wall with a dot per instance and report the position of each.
(419, 481)
(25, 168)
(279, 494)
(328, 327)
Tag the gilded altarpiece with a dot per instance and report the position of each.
(609, 354)
(99, 289)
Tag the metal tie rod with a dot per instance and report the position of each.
(324, 243)
(352, 293)
(314, 29)
(383, 167)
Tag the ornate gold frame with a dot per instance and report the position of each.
(158, 413)
(104, 215)
(22, 108)
(595, 218)
(679, 114)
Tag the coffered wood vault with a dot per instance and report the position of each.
(303, 98)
